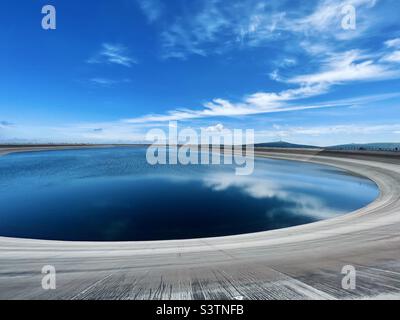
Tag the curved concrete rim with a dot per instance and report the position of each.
(254, 266)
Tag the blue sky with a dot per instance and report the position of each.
(112, 70)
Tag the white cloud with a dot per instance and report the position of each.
(113, 54)
(274, 75)
(392, 57)
(260, 103)
(393, 43)
(348, 66)
(218, 128)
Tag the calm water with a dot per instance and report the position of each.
(113, 194)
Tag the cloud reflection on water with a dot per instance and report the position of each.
(262, 188)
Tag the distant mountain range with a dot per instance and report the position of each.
(367, 147)
(353, 146)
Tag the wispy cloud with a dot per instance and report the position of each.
(351, 65)
(335, 69)
(326, 19)
(188, 33)
(260, 103)
(152, 9)
(113, 54)
(392, 57)
(106, 82)
(213, 27)
(393, 43)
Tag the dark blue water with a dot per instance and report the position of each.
(114, 195)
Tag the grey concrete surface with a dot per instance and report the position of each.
(303, 262)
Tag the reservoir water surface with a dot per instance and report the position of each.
(113, 194)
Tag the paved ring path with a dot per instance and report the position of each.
(303, 262)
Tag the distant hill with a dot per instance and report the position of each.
(367, 147)
(284, 145)
(344, 147)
